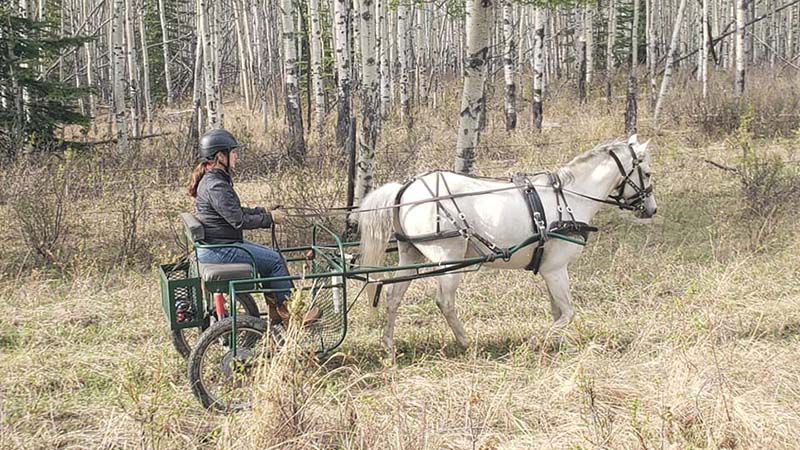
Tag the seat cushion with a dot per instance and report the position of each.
(225, 272)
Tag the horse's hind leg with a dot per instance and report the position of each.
(408, 255)
(446, 301)
(557, 282)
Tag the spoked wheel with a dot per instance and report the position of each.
(221, 379)
(185, 339)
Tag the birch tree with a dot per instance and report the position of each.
(509, 68)
(404, 55)
(473, 97)
(294, 118)
(704, 50)
(370, 91)
(670, 58)
(316, 61)
(211, 88)
(384, 57)
(133, 66)
(118, 24)
(342, 35)
(612, 31)
(148, 108)
(741, 13)
(631, 107)
(538, 68)
(165, 49)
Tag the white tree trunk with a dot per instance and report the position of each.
(473, 98)
(704, 50)
(341, 32)
(261, 64)
(612, 31)
(631, 106)
(509, 67)
(370, 91)
(404, 55)
(165, 49)
(244, 81)
(294, 117)
(316, 61)
(538, 67)
(133, 66)
(211, 88)
(741, 13)
(384, 55)
(148, 108)
(118, 26)
(589, 37)
(670, 58)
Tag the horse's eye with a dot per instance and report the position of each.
(647, 174)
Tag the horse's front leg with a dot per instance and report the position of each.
(557, 282)
(446, 301)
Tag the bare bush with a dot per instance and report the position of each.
(40, 201)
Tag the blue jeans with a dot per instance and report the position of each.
(268, 262)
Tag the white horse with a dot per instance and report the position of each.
(500, 216)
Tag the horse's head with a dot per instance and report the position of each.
(635, 191)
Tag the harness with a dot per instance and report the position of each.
(565, 228)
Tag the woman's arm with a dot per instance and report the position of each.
(227, 204)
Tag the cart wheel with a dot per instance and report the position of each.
(186, 338)
(220, 379)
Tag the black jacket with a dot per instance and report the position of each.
(221, 213)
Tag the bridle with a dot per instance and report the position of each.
(641, 193)
(636, 201)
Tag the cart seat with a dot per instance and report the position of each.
(225, 272)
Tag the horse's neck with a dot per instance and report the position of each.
(595, 180)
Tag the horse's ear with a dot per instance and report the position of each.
(643, 147)
(633, 140)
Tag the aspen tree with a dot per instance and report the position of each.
(612, 30)
(118, 24)
(538, 67)
(316, 61)
(341, 32)
(165, 49)
(370, 92)
(738, 84)
(631, 107)
(133, 66)
(670, 58)
(211, 88)
(473, 98)
(148, 108)
(384, 57)
(509, 68)
(404, 55)
(297, 149)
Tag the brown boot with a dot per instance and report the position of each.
(282, 311)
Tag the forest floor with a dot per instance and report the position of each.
(686, 335)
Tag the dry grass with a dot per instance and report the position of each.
(684, 337)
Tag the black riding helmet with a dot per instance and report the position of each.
(216, 141)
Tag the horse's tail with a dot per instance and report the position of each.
(376, 223)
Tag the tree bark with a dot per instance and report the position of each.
(704, 52)
(670, 58)
(211, 88)
(473, 99)
(165, 49)
(741, 13)
(404, 55)
(133, 66)
(509, 66)
(316, 62)
(631, 107)
(610, 39)
(538, 68)
(294, 118)
(342, 35)
(118, 26)
(383, 48)
(148, 108)
(370, 91)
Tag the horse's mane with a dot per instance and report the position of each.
(602, 149)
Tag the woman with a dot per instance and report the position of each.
(219, 210)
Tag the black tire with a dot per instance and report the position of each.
(221, 380)
(186, 338)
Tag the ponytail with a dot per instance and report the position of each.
(202, 167)
(194, 181)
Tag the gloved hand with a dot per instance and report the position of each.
(278, 216)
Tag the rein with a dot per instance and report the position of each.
(632, 203)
